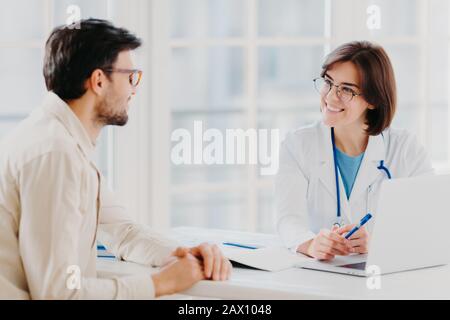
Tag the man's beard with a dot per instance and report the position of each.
(106, 114)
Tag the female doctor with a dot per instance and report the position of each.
(330, 172)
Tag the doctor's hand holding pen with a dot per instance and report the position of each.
(329, 243)
(359, 241)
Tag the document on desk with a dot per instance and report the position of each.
(267, 258)
(270, 254)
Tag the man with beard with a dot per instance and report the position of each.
(53, 200)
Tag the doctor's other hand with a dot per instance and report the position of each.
(179, 272)
(359, 241)
(215, 265)
(326, 245)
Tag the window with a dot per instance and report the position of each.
(238, 64)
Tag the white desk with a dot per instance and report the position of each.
(431, 283)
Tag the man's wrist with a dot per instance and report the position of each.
(160, 286)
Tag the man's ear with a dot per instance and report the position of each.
(97, 82)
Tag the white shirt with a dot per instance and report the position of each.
(305, 187)
(52, 199)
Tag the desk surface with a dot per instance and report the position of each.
(295, 283)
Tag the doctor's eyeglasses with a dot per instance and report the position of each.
(134, 77)
(344, 92)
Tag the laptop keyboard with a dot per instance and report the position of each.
(358, 266)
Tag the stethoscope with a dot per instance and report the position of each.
(339, 221)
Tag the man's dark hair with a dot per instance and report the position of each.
(72, 54)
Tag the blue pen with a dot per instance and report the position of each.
(238, 245)
(361, 223)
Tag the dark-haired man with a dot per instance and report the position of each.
(53, 201)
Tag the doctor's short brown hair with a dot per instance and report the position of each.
(378, 86)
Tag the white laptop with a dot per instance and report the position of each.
(411, 230)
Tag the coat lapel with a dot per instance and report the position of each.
(326, 172)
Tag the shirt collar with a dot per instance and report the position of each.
(57, 107)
